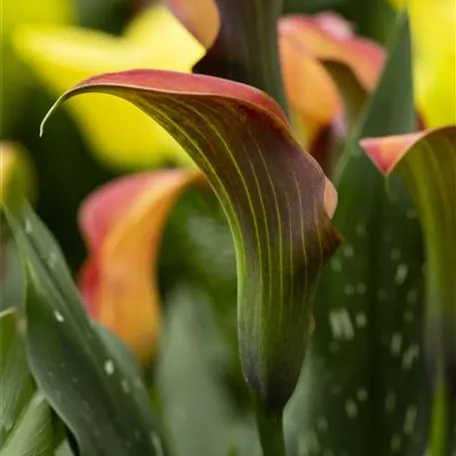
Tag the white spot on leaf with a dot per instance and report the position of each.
(6, 423)
(348, 251)
(28, 226)
(362, 394)
(349, 290)
(109, 367)
(408, 316)
(341, 324)
(336, 265)
(156, 442)
(58, 316)
(401, 273)
(409, 356)
(125, 386)
(361, 319)
(52, 260)
(410, 419)
(351, 408)
(396, 344)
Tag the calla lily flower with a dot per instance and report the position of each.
(122, 224)
(63, 56)
(433, 33)
(119, 135)
(277, 200)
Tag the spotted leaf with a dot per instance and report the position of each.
(276, 198)
(364, 388)
(426, 161)
(98, 395)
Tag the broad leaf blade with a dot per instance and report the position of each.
(275, 196)
(101, 402)
(25, 419)
(366, 353)
(427, 163)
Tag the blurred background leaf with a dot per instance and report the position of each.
(26, 422)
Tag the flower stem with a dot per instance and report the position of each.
(270, 428)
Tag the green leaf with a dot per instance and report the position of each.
(242, 43)
(364, 388)
(101, 400)
(276, 199)
(11, 276)
(351, 90)
(25, 418)
(427, 163)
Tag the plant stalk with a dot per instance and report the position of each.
(270, 428)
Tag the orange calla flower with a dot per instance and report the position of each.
(122, 224)
(304, 41)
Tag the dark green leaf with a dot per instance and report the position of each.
(364, 389)
(427, 163)
(11, 280)
(352, 92)
(104, 404)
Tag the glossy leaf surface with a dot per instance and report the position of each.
(427, 163)
(100, 398)
(275, 196)
(365, 358)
